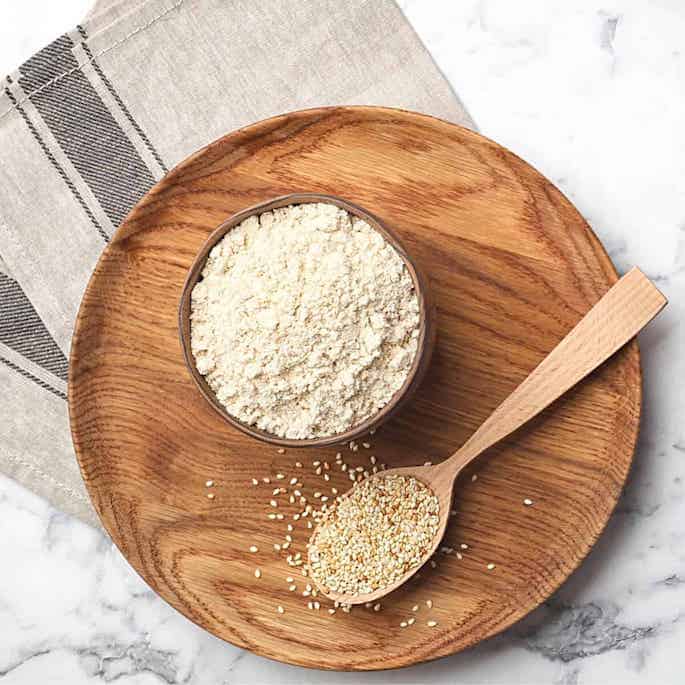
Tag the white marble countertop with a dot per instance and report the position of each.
(591, 93)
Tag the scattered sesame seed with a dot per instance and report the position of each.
(403, 624)
(210, 495)
(415, 607)
(279, 517)
(429, 603)
(377, 607)
(280, 476)
(366, 445)
(271, 516)
(464, 545)
(428, 463)
(433, 564)
(266, 480)
(298, 464)
(257, 573)
(316, 463)
(372, 431)
(326, 477)
(334, 491)
(453, 512)
(255, 481)
(490, 567)
(411, 621)
(528, 502)
(318, 471)
(280, 609)
(289, 527)
(254, 548)
(273, 503)
(372, 459)
(474, 477)
(431, 624)
(292, 588)
(343, 467)
(277, 547)
(326, 466)
(209, 483)
(459, 555)
(293, 481)
(331, 611)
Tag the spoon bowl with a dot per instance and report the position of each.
(628, 306)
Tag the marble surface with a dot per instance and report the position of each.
(593, 94)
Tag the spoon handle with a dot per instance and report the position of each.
(618, 316)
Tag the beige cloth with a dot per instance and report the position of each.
(89, 123)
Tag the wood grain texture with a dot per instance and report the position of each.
(512, 267)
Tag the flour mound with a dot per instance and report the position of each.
(305, 322)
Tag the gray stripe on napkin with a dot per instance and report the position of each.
(85, 129)
(55, 163)
(117, 98)
(23, 331)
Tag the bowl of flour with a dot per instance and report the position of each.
(303, 321)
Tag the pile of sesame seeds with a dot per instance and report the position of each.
(304, 493)
(374, 535)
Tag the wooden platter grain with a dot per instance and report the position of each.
(512, 266)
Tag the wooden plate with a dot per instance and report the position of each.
(512, 266)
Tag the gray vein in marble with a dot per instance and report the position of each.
(576, 632)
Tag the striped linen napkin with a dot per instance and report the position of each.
(90, 122)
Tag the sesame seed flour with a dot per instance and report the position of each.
(305, 322)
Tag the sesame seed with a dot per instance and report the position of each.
(453, 512)
(490, 567)
(326, 477)
(210, 495)
(366, 445)
(316, 463)
(334, 491)
(289, 579)
(289, 538)
(372, 431)
(266, 480)
(280, 476)
(257, 573)
(343, 467)
(277, 547)
(271, 516)
(429, 603)
(279, 517)
(291, 499)
(280, 609)
(331, 611)
(376, 533)
(433, 564)
(318, 471)
(255, 481)
(431, 624)
(377, 607)
(289, 527)
(428, 463)
(254, 548)
(474, 477)
(326, 466)
(281, 450)
(298, 464)
(209, 483)
(411, 621)
(293, 481)
(528, 502)
(273, 503)
(276, 491)
(403, 624)
(415, 607)
(372, 459)
(464, 545)
(292, 588)
(459, 555)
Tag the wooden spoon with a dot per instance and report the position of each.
(621, 313)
